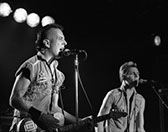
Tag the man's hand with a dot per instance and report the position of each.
(88, 122)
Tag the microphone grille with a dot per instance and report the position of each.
(142, 80)
(66, 50)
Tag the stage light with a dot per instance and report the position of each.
(157, 40)
(20, 15)
(33, 20)
(5, 9)
(47, 20)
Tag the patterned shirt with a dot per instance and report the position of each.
(43, 90)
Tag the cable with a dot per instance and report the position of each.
(85, 92)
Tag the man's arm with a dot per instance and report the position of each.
(19, 88)
(105, 109)
(69, 117)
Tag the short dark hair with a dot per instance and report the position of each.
(41, 34)
(124, 69)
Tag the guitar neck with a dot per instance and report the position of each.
(101, 118)
(74, 127)
(93, 121)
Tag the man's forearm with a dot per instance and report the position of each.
(20, 104)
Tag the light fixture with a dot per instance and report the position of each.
(33, 20)
(47, 20)
(20, 15)
(5, 9)
(157, 40)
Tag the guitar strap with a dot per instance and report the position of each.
(59, 91)
(129, 107)
(53, 81)
(62, 104)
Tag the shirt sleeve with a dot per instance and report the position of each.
(26, 69)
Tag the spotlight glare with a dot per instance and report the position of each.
(33, 20)
(20, 15)
(47, 20)
(5, 9)
(157, 40)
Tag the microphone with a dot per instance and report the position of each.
(162, 90)
(68, 52)
(141, 81)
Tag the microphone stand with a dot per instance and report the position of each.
(76, 63)
(161, 102)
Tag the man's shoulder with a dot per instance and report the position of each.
(115, 91)
(140, 97)
(30, 62)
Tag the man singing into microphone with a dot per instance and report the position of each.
(126, 99)
(36, 89)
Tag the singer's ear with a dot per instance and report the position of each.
(46, 43)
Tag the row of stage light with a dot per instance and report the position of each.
(20, 15)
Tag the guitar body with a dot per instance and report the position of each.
(28, 125)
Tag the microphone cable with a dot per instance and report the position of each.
(87, 98)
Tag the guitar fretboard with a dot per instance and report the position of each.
(72, 127)
(77, 126)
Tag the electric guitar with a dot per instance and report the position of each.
(92, 122)
(27, 125)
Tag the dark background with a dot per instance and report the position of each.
(111, 32)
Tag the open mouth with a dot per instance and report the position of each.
(61, 49)
(61, 52)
